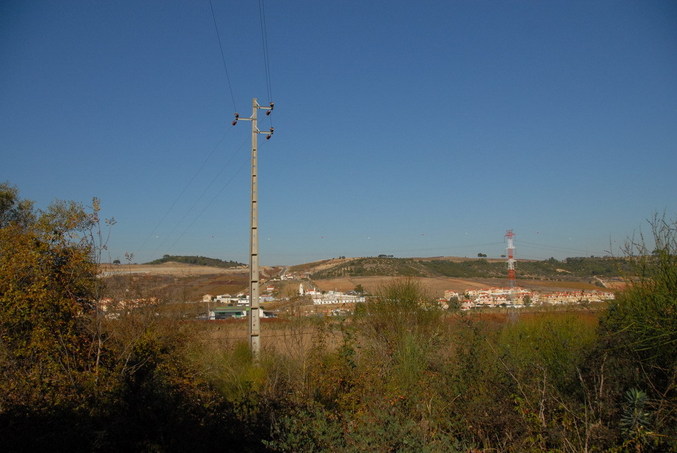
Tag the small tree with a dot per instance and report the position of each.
(47, 290)
(454, 303)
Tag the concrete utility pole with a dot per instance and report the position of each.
(254, 325)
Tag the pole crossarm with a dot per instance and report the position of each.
(255, 129)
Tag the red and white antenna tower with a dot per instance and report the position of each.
(511, 258)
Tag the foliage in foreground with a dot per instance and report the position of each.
(72, 379)
(400, 375)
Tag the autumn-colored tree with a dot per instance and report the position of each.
(47, 282)
(72, 379)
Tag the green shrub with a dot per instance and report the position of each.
(640, 327)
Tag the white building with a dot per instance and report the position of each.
(335, 297)
(517, 297)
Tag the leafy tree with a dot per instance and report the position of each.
(12, 209)
(454, 303)
(47, 287)
(73, 380)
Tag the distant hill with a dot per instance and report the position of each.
(197, 260)
(551, 269)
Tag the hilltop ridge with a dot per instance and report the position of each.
(196, 260)
(576, 267)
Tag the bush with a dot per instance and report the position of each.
(640, 328)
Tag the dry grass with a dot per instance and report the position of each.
(291, 337)
(174, 269)
(295, 337)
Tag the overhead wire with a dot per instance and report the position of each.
(197, 200)
(223, 57)
(442, 251)
(439, 249)
(183, 191)
(267, 72)
(448, 250)
(232, 98)
(208, 205)
(535, 245)
(266, 57)
(264, 43)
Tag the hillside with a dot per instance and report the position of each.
(181, 281)
(551, 269)
(197, 261)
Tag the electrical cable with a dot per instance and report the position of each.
(223, 57)
(208, 205)
(264, 42)
(535, 245)
(266, 57)
(185, 187)
(198, 199)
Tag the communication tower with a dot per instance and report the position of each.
(509, 235)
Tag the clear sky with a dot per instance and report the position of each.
(413, 128)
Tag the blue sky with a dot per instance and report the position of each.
(409, 128)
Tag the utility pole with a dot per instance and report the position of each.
(254, 304)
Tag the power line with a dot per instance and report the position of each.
(197, 200)
(264, 43)
(447, 250)
(535, 245)
(208, 205)
(223, 57)
(185, 187)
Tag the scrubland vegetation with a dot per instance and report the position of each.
(581, 267)
(399, 375)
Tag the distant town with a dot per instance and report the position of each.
(338, 302)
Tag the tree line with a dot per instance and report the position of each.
(579, 267)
